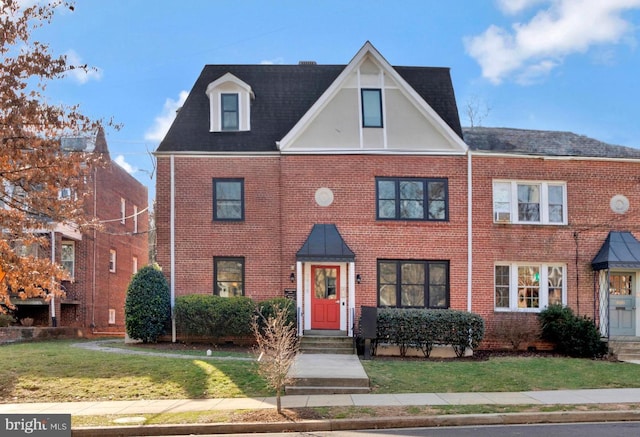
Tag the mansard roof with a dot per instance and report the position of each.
(283, 94)
(542, 143)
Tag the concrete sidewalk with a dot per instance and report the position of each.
(566, 397)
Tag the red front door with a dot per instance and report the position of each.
(325, 297)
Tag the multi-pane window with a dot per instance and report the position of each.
(68, 257)
(371, 107)
(529, 202)
(229, 112)
(412, 199)
(228, 276)
(228, 199)
(529, 287)
(135, 219)
(123, 210)
(413, 284)
(112, 260)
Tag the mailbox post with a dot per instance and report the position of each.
(369, 328)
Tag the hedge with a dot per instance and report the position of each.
(199, 315)
(422, 329)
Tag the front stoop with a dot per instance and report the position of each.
(626, 349)
(326, 343)
(327, 374)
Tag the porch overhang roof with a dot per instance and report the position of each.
(325, 243)
(620, 250)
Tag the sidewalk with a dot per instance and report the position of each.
(566, 397)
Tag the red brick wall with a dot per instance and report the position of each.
(281, 210)
(590, 186)
(111, 184)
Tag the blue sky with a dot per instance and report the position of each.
(570, 65)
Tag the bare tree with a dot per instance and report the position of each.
(476, 110)
(277, 343)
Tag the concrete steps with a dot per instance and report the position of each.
(332, 342)
(626, 349)
(327, 374)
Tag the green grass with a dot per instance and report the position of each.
(499, 374)
(56, 371)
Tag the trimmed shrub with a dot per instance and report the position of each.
(423, 329)
(147, 306)
(572, 335)
(200, 315)
(270, 307)
(6, 320)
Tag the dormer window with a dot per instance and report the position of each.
(229, 111)
(229, 104)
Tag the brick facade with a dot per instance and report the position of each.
(94, 290)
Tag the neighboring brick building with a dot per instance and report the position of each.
(349, 185)
(102, 261)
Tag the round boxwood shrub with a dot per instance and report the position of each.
(147, 308)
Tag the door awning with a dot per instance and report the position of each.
(325, 243)
(619, 250)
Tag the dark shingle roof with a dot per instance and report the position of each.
(283, 94)
(542, 143)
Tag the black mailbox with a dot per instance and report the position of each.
(368, 328)
(369, 322)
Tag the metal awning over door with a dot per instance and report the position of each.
(325, 243)
(620, 250)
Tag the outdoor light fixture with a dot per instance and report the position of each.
(358, 278)
(292, 277)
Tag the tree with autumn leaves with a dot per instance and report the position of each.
(34, 168)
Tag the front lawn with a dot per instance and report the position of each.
(56, 371)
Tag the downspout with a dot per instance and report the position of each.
(469, 230)
(173, 250)
(52, 302)
(95, 250)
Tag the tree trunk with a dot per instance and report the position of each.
(278, 401)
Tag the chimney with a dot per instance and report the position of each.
(307, 63)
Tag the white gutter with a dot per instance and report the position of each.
(172, 227)
(469, 230)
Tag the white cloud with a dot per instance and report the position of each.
(120, 160)
(78, 73)
(278, 60)
(163, 121)
(532, 49)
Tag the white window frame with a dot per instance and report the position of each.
(134, 265)
(123, 210)
(112, 260)
(505, 201)
(112, 316)
(72, 260)
(135, 219)
(543, 294)
(229, 84)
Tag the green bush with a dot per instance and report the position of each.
(269, 307)
(147, 306)
(572, 335)
(6, 320)
(212, 316)
(422, 329)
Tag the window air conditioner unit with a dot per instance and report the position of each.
(502, 217)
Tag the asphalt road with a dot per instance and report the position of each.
(617, 429)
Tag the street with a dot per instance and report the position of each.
(616, 429)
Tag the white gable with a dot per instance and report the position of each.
(334, 124)
(229, 84)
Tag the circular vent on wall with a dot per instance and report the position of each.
(619, 204)
(324, 196)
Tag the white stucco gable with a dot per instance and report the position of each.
(334, 124)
